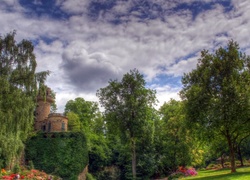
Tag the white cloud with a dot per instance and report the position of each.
(73, 6)
(165, 93)
(98, 51)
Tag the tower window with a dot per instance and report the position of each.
(63, 126)
(49, 127)
(44, 128)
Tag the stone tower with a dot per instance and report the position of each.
(43, 109)
(46, 121)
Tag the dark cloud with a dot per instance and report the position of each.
(87, 72)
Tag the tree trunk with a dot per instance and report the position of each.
(133, 159)
(240, 156)
(232, 155)
(222, 160)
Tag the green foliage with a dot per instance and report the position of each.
(217, 95)
(217, 166)
(63, 154)
(30, 165)
(127, 110)
(109, 172)
(241, 174)
(89, 177)
(74, 123)
(84, 116)
(176, 176)
(173, 143)
(16, 169)
(53, 107)
(85, 110)
(19, 83)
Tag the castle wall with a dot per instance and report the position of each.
(57, 123)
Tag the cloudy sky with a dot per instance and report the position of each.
(85, 43)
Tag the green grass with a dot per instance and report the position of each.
(242, 173)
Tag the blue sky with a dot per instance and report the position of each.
(85, 43)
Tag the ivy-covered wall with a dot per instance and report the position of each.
(63, 153)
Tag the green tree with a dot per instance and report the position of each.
(173, 140)
(85, 110)
(126, 104)
(53, 107)
(19, 86)
(86, 117)
(217, 95)
(74, 123)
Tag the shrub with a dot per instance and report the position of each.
(176, 175)
(30, 165)
(213, 166)
(227, 164)
(181, 172)
(191, 172)
(89, 177)
(16, 169)
(111, 172)
(64, 154)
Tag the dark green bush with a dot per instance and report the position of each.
(176, 175)
(16, 169)
(30, 165)
(64, 153)
(112, 173)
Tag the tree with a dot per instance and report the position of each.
(126, 104)
(74, 123)
(85, 110)
(85, 116)
(173, 141)
(53, 107)
(217, 95)
(19, 86)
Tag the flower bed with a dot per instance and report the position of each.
(183, 172)
(25, 174)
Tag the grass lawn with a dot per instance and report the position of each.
(242, 173)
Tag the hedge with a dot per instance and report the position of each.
(63, 154)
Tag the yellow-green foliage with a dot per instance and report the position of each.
(64, 154)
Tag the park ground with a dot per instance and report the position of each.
(243, 173)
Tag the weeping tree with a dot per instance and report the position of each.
(127, 109)
(19, 87)
(217, 95)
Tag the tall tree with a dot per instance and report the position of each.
(85, 110)
(74, 123)
(18, 91)
(173, 141)
(86, 117)
(126, 104)
(217, 94)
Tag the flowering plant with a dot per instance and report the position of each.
(32, 174)
(3, 171)
(182, 171)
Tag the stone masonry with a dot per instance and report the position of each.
(46, 121)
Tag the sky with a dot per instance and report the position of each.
(86, 43)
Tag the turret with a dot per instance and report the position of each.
(43, 109)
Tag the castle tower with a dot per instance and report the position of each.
(43, 109)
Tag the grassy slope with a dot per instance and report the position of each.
(223, 174)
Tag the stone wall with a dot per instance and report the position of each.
(56, 123)
(83, 174)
